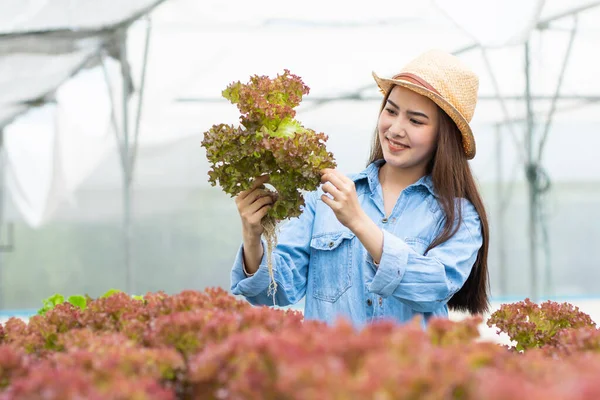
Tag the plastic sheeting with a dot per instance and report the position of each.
(491, 29)
(46, 155)
(23, 16)
(334, 50)
(33, 66)
(198, 48)
(64, 167)
(7, 113)
(22, 78)
(53, 148)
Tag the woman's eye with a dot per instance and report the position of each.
(390, 111)
(416, 122)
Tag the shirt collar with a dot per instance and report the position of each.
(371, 173)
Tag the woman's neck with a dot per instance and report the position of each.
(395, 179)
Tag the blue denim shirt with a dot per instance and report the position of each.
(318, 257)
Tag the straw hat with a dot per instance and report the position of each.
(449, 83)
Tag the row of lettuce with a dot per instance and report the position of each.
(209, 345)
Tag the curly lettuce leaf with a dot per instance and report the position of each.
(269, 141)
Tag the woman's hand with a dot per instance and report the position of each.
(348, 211)
(253, 204)
(344, 200)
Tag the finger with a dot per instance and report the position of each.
(249, 212)
(260, 203)
(335, 180)
(329, 201)
(253, 196)
(260, 214)
(261, 180)
(332, 190)
(336, 172)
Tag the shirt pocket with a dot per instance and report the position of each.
(331, 264)
(417, 244)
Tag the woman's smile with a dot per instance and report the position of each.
(395, 145)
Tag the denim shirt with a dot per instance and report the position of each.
(318, 257)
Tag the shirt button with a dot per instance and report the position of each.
(369, 302)
(380, 301)
(330, 244)
(385, 220)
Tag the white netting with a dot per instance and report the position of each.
(64, 173)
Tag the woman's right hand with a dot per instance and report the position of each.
(253, 204)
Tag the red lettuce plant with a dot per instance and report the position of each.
(208, 345)
(532, 325)
(269, 141)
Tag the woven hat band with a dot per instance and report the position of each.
(412, 78)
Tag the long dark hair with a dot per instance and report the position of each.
(452, 178)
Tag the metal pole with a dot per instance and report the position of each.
(129, 273)
(548, 282)
(557, 91)
(502, 101)
(141, 95)
(113, 115)
(531, 174)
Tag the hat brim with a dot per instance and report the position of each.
(461, 122)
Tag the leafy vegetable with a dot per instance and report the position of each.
(78, 301)
(211, 345)
(269, 141)
(50, 303)
(75, 300)
(533, 326)
(110, 292)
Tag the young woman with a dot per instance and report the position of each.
(407, 236)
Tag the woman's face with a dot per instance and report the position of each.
(408, 129)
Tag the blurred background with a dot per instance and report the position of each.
(103, 106)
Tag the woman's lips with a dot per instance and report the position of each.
(396, 146)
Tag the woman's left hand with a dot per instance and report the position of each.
(343, 200)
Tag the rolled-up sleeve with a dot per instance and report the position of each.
(290, 261)
(425, 282)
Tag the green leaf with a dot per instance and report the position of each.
(288, 128)
(51, 302)
(111, 292)
(232, 93)
(78, 301)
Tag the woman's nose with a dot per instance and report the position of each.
(398, 127)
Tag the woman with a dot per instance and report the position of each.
(407, 236)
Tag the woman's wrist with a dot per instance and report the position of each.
(252, 255)
(371, 236)
(360, 224)
(250, 238)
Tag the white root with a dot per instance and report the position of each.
(270, 234)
